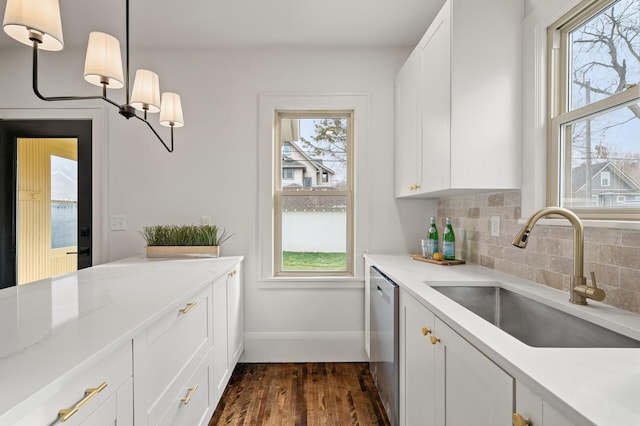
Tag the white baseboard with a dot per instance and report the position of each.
(316, 346)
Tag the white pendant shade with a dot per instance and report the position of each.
(103, 62)
(42, 16)
(171, 110)
(146, 91)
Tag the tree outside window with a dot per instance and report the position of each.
(595, 109)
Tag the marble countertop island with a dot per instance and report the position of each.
(52, 329)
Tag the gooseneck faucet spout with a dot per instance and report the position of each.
(579, 291)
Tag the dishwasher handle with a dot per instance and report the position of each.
(384, 295)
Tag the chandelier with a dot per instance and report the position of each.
(37, 23)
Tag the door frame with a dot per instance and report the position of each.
(99, 164)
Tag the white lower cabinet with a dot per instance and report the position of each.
(115, 411)
(228, 328)
(444, 380)
(475, 389)
(187, 401)
(172, 373)
(221, 373)
(417, 364)
(100, 396)
(166, 354)
(532, 410)
(183, 362)
(235, 323)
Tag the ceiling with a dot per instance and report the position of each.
(249, 23)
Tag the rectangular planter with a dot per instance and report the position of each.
(183, 251)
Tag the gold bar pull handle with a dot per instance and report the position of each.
(189, 307)
(66, 413)
(232, 273)
(519, 420)
(185, 400)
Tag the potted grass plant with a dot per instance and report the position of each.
(184, 240)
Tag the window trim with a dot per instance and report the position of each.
(268, 103)
(278, 181)
(557, 105)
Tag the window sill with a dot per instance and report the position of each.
(311, 283)
(589, 223)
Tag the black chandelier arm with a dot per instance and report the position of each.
(126, 110)
(156, 133)
(60, 98)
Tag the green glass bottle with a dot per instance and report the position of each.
(432, 239)
(448, 242)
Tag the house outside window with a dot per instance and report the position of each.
(287, 174)
(313, 226)
(594, 110)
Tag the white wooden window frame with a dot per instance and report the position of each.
(268, 105)
(557, 108)
(348, 193)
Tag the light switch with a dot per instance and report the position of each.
(118, 222)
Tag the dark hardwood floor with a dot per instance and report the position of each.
(305, 394)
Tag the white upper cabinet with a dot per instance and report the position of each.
(458, 102)
(408, 129)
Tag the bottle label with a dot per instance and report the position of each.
(448, 250)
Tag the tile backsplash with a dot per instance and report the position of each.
(613, 254)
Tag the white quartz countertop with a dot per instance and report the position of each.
(601, 384)
(52, 328)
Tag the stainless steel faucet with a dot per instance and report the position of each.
(579, 291)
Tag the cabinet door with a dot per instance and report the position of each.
(435, 57)
(88, 396)
(117, 410)
(531, 407)
(221, 371)
(476, 391)
(417, 370)
(105, 415)
(408, 149)
(163, 351)
(235, 314)
(188, 402)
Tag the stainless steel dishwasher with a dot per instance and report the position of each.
(383, 362)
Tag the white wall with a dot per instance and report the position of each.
(213, 171)
(539, 15)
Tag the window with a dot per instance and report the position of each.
(594, 109)
(287, 174)
(64, 202)
(313, 224)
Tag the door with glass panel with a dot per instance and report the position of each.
(46, 209)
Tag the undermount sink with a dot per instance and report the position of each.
(534, 323)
